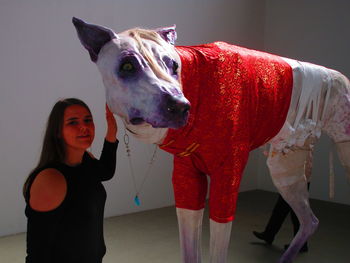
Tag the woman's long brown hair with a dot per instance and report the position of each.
(53, 149)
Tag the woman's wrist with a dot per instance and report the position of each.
(111, 138)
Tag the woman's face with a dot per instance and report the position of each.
(78, 129)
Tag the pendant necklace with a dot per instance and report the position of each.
(138, 190)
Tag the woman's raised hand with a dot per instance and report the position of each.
(112, 127)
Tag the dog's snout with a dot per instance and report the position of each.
(176, 106)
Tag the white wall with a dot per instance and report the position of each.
(42, 61)
(315, 31)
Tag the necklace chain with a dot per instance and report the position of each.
(128, 153)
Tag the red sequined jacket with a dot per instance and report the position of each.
(239, 101)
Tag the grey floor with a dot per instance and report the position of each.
(152, 236)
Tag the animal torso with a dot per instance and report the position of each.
(239, 99)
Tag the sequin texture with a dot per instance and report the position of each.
(239, 100)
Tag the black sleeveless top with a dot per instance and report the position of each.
(73, 232)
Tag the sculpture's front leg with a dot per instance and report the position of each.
(190, 228)
(220, 234)
(190, 190)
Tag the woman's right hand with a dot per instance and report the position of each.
(112, 127)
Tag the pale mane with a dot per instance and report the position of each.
(138, 34)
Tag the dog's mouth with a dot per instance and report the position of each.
(156, 123)
(137, 121)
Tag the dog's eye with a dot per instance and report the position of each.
(172, 65)
(127, 67)
(175, 67)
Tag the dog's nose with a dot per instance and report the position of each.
(177, 106)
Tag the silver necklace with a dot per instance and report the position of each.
(138, 190)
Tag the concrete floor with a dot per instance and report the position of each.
(152, 236)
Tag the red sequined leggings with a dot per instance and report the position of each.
(190, 186)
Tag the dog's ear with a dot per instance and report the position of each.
(93, 37)
(168, 34)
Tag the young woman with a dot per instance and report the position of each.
(64, 194)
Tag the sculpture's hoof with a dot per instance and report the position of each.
(303, 249)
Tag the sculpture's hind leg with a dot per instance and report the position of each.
(337, 125)
(343, 149)
(288, 174)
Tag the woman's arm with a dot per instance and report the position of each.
(107, 163)
(48, 190)
(45, 210)
(112, 128)
(108, 160)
